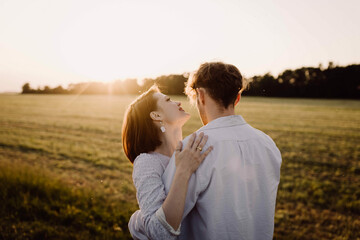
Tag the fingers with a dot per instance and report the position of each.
(202, 143)
(203, 156)
(197, 141)
(191, 141)
(178, 147)
(190, 157)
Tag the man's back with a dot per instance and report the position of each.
(233, 193)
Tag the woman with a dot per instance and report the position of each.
(151, 132)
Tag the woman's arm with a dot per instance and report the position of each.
(186, 161)
(151, 192)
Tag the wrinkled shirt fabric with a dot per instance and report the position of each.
(232, 194)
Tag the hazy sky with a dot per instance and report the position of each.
(52, 42)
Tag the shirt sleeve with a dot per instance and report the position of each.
(136, 227)
(162, 218)
(150, 195)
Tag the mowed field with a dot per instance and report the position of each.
(63, 173)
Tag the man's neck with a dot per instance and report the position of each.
(217, 113)
(214, 110)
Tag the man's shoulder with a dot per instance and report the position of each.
(230, 132)
(263, 135)
(236, 133)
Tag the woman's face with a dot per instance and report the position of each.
(170, 111)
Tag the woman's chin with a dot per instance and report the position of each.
(185, 117)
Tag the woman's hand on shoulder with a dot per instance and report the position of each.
(189, 158)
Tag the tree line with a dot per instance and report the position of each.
(170, 84)
(305, 82)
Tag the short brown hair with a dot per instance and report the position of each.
(139, 133)
(222, 81)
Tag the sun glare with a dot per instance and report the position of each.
(105, 44)
(64, 42)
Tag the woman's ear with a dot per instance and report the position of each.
(154, 115)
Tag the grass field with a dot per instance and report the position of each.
(63, 174)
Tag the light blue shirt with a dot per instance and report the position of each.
(232, 194)
(150, 221)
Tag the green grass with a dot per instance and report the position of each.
(63, 174)
(38, 206)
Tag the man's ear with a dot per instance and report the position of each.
(238, 97)
(156, 116)
(201, 95)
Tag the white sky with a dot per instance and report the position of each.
(52, 42)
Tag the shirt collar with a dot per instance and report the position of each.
(222, 122)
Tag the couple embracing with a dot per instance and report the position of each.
(218, 183)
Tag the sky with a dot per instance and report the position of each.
(58, 42)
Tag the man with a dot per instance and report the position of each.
(232, 195)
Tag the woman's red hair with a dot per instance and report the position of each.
(139, 133)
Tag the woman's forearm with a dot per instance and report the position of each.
(174, 203)
(186, 161)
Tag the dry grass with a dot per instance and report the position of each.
(77, 141)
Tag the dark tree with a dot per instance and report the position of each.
(26, 88)
(305, 82)
(47, 90)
